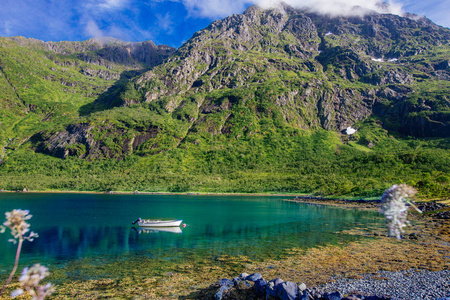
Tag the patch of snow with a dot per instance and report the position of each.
(329, 33)
(392, 59)
(377, 59)
(350, 130)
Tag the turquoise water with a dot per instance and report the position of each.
(89, 226)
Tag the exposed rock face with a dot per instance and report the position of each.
(86, 141)
(142, 54)
(105, 51)
(294, 68)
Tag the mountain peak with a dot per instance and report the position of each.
(235, 51)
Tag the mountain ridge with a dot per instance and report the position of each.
(222, 56)
(258, 91)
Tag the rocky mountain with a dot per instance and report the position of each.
(47, 85)
(281, 68)
(279, 100)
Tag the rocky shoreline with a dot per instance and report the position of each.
(413, 282)
(399, 285)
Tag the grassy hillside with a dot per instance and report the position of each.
(283, 162)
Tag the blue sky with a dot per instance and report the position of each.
(169, 22)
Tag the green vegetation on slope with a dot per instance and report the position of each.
(282, 162)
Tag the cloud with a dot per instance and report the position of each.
(5, 28)
(222, 8)
(338, 7)
(165, 22)
(93, 30)
(111, 4)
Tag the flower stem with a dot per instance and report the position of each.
(16, 264)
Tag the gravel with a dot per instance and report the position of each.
(408, 285)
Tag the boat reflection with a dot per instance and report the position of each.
(140, 230)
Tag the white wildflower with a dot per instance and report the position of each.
(30, 280)
(16, 293)
(394, 207)
(16, 221)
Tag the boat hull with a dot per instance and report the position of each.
(159, 223)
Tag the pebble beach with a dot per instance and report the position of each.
(400, 285)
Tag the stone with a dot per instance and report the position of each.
(287, 290)
(302, 287)
(270, 290)
(253, 277)
(332, 296)
(243, 276)
(226, 282)
(219, 294)
(354, 297)
(304, 295)
(260, 287)
(277, 281)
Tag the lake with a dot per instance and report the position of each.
(92, 228)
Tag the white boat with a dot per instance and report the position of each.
(158, 223)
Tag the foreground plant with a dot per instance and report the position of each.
(16, 221)
(30, 280)
(394, 206)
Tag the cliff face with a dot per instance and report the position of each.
(103, 52)
(264, 70)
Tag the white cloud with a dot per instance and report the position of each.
(223, 8)
(165, 22)
(112, 4)
(5, 28)
(93, 30)
(338, 7)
